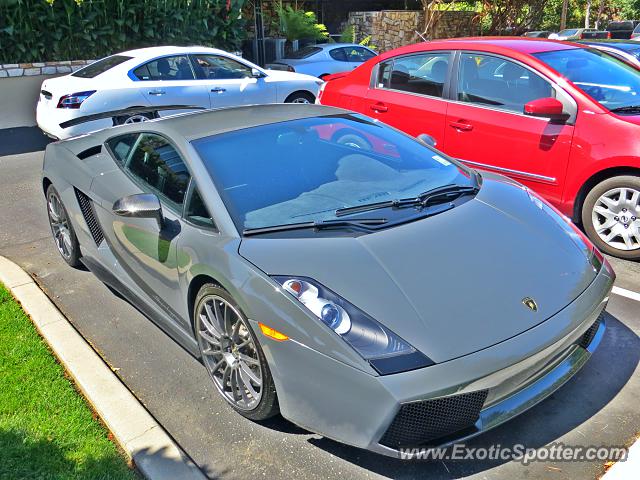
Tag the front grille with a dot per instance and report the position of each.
(422, 423)
(587, 337)
(89, 216)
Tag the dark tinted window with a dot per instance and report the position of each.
(101, 66)
(217, 67)
(166, 68)
(494, 81)
(338, 54)
(303, 170)
(121, 146)
(358, 54)
(196, 212)
(156, 163)
(424, 74)
(303, 53)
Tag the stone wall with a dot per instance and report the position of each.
(43, 68)
(391, 29)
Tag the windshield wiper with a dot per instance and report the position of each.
(362, 224)
(430, 197)
(627, 109)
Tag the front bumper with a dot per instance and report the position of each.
(354, 407)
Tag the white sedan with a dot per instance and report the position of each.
(324, 59)
(162, 76)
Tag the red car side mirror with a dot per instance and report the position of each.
(545, 107)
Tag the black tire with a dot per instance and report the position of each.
(123, 119)
(69, 251)
(300, 97)
(267, 406)
(627, 217)
(351, 138)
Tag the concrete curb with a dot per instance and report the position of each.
(154, 453)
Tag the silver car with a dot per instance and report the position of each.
(324, 59)
(335, 270)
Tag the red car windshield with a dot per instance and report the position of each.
(609, 81)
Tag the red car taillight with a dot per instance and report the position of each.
(608, 34)
(74, 100)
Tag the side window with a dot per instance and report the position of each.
(358, 54)
(494, 81)
(196, 212)
(156, 163)
(338, 54)
(384, 74)
(121, 146)
(216, 67)
(424, 74)
(166, 68)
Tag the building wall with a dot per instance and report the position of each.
(390, 29)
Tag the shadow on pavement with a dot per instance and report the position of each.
(18, 140)
(600, 380)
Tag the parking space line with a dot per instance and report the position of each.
(623, 292)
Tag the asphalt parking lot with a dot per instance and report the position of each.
(597, 407)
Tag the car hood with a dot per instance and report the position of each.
(450, 284)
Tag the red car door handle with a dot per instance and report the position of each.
(379, 107)
(461, 126)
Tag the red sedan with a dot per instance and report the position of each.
(562, 118)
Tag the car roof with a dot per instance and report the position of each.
(154, 52)
(200, 124)
(505, 45)
(337, 44)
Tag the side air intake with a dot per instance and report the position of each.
(86, 206)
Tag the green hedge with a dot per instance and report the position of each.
(48, 30)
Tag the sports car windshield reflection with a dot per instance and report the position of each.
(326, 267)
(314, 169)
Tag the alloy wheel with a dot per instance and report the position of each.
(300, 100)
(615, 217)
(60, 225)
(229, 352)
(136, 119)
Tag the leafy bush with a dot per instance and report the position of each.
(46, 30)
(298, 24)
(348, 35)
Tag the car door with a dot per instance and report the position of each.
(486, 126)
(230, 82)
(145, 251)
(170, 80)
(408, 93)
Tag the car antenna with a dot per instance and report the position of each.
(421, 36)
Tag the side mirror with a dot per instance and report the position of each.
(140, 205)
(428, 140)
(255, 73)
(545, 107)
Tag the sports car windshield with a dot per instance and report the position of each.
(609, 81)
(304, 170)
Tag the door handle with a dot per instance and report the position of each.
(218, 90)
(379, 107)
(461, 126)
(157, 92)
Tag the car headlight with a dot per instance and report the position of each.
(579, 238)
(384, 350)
